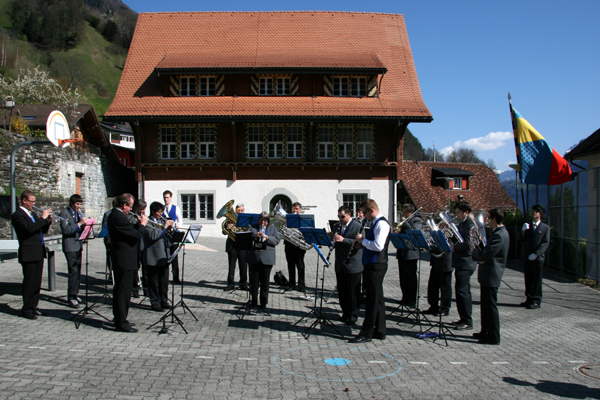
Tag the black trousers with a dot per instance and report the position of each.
(374, 321)
(32, 284)
(260, 274)
(295, 259)
(408, 280)
(534, 271)
(439, 282)
(122, 296)
(464, 302)
(234, 255)
(175, 263)
(348, 286)
(74, 271)
(158, 285)
(490, 317)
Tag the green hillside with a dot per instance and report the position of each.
(94, 65)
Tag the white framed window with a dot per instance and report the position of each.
(457, 183)
(345, 136)
(206, 142)
(256, 139)
(206, 86)
(294, 141)
(364, 142)
(187, 86)
(326, 137)
(275, 141)
(340, 86)
(358, 86)
(352, 200)
(197, 206)
(283, 86)
(187, 146)
(265, 86)
(168, 143)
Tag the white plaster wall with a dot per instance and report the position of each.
(256, 195)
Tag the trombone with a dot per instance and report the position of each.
(135, 219)
(40, 209)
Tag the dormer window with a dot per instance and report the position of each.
(457, 183)
(265, 86)
(359, 86)
(187, 86)
(283, 86)
(206, 86)
(340, 86)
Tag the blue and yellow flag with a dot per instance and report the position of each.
(538, 162)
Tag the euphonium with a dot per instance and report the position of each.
(292, 235)
(444, 215)
(230, 219)
(478, 231)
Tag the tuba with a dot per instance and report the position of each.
(478, 236)
(228, 212)
(292, 235)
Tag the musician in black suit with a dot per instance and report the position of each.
(536, 239)
(125, 240)
(155, 257)
(236, 255)
(440, 282)
(348, 270)
(262, 258)
(489, 275)
(408, 260)
(375, 262)
(295, 259)
(107, 237)
(71, 227)
(139, 208)
(30, 228)
(464, 267)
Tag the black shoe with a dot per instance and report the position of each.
(479, 335)
(135, 294)
(459, 322)
(300, 288)
(525, 303)
(360, 339)
(166, 306)
(29, 316)
(430, 311)
(343, 318)
(157, 309)
(350, 321)
(128, 329)
(378, 336)
(228, 288)
(289, 288)
(463, 327)
(445, 313)
(533, 306)
(245, 287)
(38, 312)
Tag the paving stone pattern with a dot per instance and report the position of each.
(267, 357)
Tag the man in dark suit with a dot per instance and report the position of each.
(440, 282)
(489, 275)
(408, 260)
(236, 255)
(30, 228)
(464, 267)
(125, 239)
(375, 262)
(348, 270)
(155, 258)
(536, 239)
(71, 228)
(262, 258)
(295, 258)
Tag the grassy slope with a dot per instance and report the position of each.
(4, 20)
(99, 66)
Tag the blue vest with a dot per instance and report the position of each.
(371, 256)
(172, 213)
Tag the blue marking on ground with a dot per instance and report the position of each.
(337, 361)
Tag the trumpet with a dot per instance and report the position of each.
(134, 219)
(40, 209)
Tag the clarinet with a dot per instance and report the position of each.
(332, 247)
(362, 227)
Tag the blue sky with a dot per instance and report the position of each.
(470, 54)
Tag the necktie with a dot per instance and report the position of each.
(41, 235)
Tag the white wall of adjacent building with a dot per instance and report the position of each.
(322, 198)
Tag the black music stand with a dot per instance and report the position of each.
(189, 236)
(107, 269)
(85, 237)
(318, 237)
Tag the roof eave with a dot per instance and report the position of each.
(271, 70)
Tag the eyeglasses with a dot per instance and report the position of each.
(341, 216)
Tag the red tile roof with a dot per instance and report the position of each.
(290, 39)
(485, 190)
